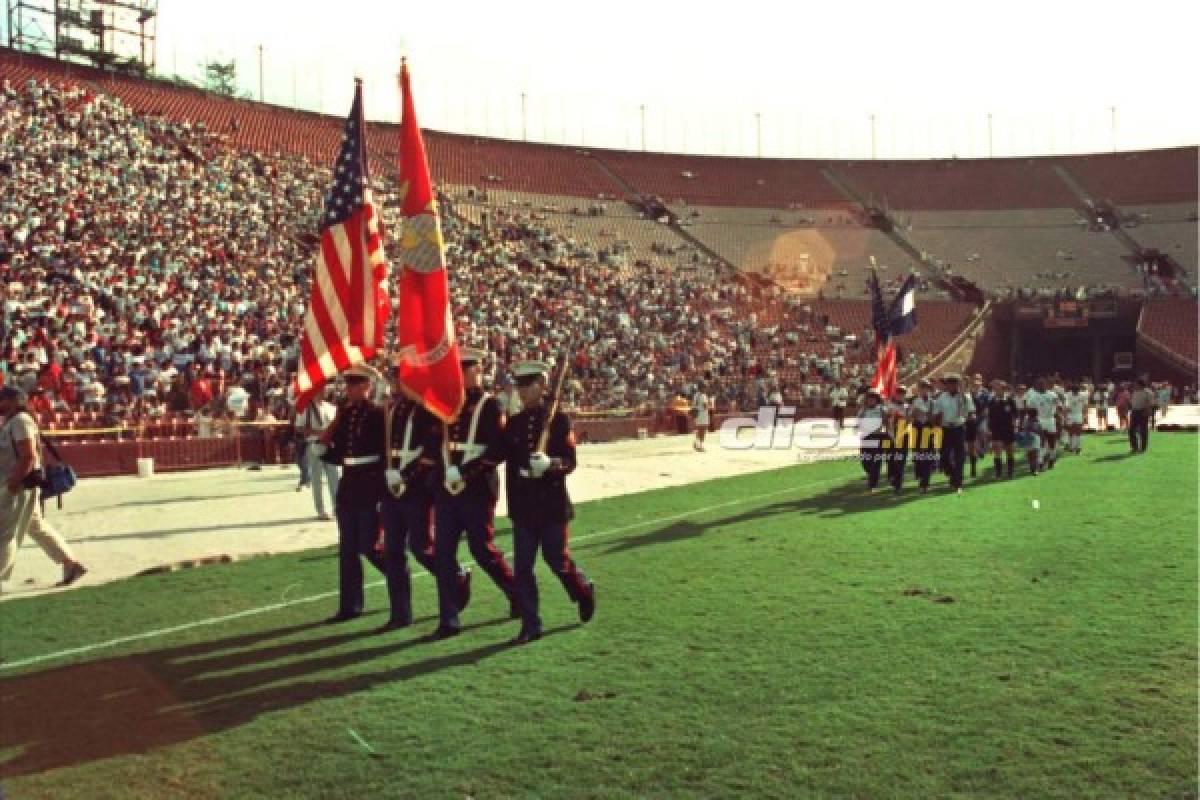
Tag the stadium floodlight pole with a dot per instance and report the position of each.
(524, 118)
(990, 135)
(260, 73)
(1113, 110)
(643, 107)
(758, 123)
(872, 137)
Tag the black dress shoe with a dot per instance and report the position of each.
(525, 637)
(464, 589)
(587, 604)
(341, 617)
(444, 632)
(72, 574)
(393, 625)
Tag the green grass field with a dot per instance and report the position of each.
(778, 635)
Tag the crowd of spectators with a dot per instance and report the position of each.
(144, 269)
(148, 269)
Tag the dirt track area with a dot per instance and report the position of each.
(122, 526)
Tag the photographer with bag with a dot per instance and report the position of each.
(22, 473)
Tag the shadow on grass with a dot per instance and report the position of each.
(324, 554)
(1114, 457)
(82, 713)
(838, 501)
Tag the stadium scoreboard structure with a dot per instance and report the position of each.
(108, 34)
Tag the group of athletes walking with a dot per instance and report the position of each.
(951, 428)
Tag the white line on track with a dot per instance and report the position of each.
(199, 623)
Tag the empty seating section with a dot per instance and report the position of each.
(495, 163)
(999, 250)
(1171, 323)
(616, 227)
(716, 181)
(1154, 176)
(955, 184)
(1169, 228)
(831, 256)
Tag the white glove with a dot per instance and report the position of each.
(538, 464)
(395, 482)
(453, 476)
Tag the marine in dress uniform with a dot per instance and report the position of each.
(466, 492)
(406, 510)
(538, 502)
(355, 441)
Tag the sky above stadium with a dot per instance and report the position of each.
(780, 79)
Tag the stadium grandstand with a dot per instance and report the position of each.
(153, 234)
(836, 437)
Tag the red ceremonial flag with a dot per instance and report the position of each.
(428, 355)
(885, 372)
(349, 306)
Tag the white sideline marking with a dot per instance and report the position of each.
(87, 648)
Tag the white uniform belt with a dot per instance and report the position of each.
(463, 447)
(469, 451)
(358, 461)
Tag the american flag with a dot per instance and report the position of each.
(885, 372)
(349, 305)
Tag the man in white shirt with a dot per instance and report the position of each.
(1047, 406)
(951, 409)
(838, 397)
(700, 404)
(921, 418)
(20, 512)
(311, 423)
(1077, 406)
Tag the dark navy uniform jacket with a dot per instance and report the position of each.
(538, 500)
(1002, 413)
(479, 472)
(421, 472)
(359, 435)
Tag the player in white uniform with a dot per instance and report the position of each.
(1077, 406)
(1047, 406)
(700, 405)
